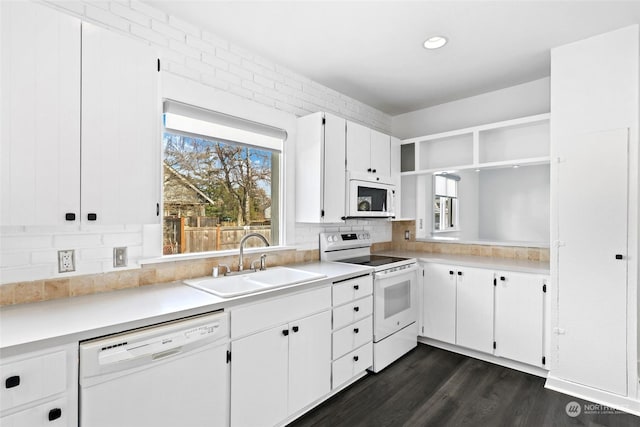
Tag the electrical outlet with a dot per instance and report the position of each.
(66, 261)
(120, 257)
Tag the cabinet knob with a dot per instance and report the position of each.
(356, 330)
(619, 256)
(355, 358)
(55, 413)
(459, 273)
(92, 217)
(13, 381)
(374, 171)
(356, 287)
(285, 332)
(451, 272)
(502, 278)
(369, 170)
(70, 216)
(295, 329)
(356, 308)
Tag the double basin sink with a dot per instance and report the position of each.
(255, 281)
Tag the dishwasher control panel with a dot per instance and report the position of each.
(153, 343)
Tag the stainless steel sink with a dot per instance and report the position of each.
(231, 286)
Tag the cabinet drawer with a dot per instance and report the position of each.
(352, 289)
(352, 336)
(351, 312)
(50, 414)
(27, 380)
(351, 364)
(263, 315)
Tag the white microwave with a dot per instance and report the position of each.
(368, 199)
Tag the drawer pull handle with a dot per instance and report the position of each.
(356, 287)
(295, 329)
(54, 414)
(12, 382)
(356, 308)
(92, 217)
(451, 272)
(355, 358)
(459, 273)
(502, 278)
(356, 330)
(70, 216)
(285, 332)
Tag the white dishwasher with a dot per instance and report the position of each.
(172, 374)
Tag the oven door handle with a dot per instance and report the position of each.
(378, 275)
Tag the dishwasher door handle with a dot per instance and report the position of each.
(166, 353)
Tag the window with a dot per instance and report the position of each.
(221, 181)
(445, 202)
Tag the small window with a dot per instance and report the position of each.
(217, 189)
(445, 202)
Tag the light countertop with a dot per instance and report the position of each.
(507, 264)
(27, 327)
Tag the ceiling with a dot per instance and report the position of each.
(372, 50)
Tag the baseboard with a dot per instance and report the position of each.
(622, 403)
(507, 363)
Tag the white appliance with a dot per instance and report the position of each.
(370, 199)
(172, 374)
(395, 303)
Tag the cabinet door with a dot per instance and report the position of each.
(439, 314)
(519, 317)
(592, 283)
(309, 360)
(334, 184)
(380, 154)
(40, 104)
(474, 314)
(358, 148)
(259, 378)
(120, 129)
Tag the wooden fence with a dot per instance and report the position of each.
(180, 238)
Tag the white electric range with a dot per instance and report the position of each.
(395, 305)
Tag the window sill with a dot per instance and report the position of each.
(217, 254)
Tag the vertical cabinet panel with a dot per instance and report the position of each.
(381, 153)
(439, 315)
(519, 316)
(592, 222)
(474, 309)
(120, 124)
(259, 378)
(358, 148)
(40, 139)
(309, 360)
(334, 188)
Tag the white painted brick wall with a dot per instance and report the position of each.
(187, 51)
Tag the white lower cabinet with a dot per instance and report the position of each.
(352, 338)
(499, 313)
(278, 371)
(519, 317)
(40, 388)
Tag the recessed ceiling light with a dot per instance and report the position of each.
(435, 42)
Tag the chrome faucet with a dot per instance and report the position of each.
(244, 239)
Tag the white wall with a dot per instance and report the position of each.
(513, 102)
(514, 204)
(200, 59)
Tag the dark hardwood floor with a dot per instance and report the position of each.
(434, 387)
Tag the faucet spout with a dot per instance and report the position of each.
(242, 241)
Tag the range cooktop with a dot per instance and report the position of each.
(373, 260)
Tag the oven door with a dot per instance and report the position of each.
(395, 301)
(370, 199)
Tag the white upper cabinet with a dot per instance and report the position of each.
(320, 172)
(40, 139)
(120, 129)
(80, 122)
(368, 153)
